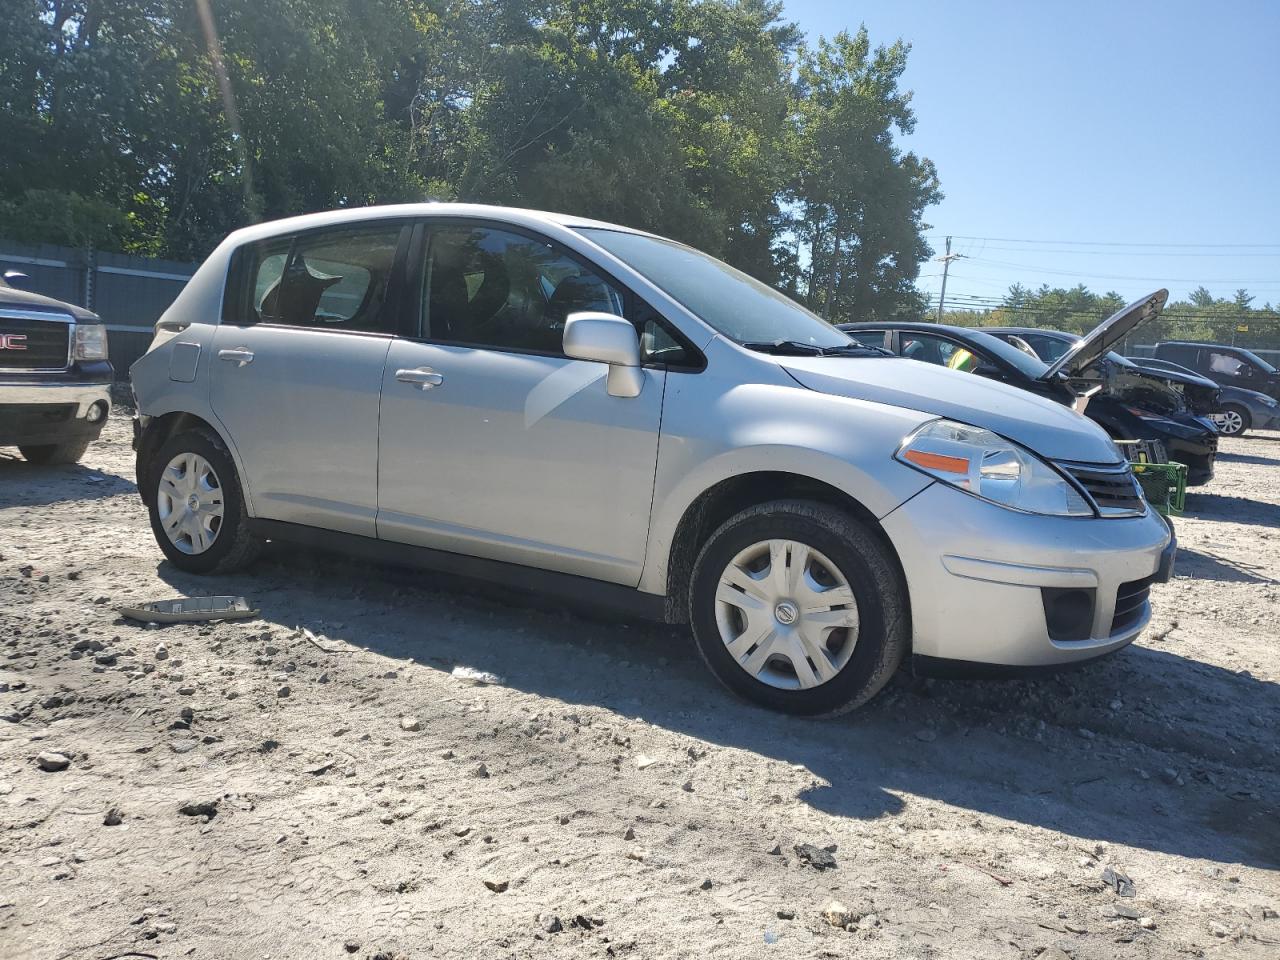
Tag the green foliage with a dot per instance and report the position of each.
(51, 216)
(1200, 317)
(707, 120)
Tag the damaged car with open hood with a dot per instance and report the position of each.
(575, 408)
(1129, 403)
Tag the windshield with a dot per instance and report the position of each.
(1020, 360)
(735, 304)
(1051, 348)
(1266, 367)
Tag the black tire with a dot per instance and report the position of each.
(69, 452)
(234, 546)
(1246, 421)
(863, 560)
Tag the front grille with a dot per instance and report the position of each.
(1112, 490)
(30, 344)
(1131, 602)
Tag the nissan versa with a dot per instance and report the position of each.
(570, 406)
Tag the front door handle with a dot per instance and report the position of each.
(424, 378)
(237, 355)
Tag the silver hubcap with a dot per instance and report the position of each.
(786, 614)
(1228, 422)
(189, 502)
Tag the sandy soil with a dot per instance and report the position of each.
(607, 798)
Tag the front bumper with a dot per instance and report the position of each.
(983, 579)
(1198, 455)
(51, 410)
(1268, 421)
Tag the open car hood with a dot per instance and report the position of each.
(1039, 424)
(1106, 335)
(1175, 376)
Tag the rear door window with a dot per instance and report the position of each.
(930, 348)
(330, 279)
(869, 338)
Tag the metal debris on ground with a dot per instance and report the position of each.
(190, 610)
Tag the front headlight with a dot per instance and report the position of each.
(992, 468)
(91, 341)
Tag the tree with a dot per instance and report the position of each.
(142, 125)
(861, 199)
(1201, 297)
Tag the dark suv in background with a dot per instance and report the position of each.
(55, 380)
(1229, 366)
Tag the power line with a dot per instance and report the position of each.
(1152, 253)
(1031, 268)
(1118, 243)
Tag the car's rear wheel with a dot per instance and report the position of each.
(196, 506)
(69, 452)
(799, 606)
(1232, 420)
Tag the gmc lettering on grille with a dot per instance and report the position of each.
(13, 341)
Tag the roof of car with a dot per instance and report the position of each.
(26, 300)
(922, 326)
(1031, 331)
(516, 215)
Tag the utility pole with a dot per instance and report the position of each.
(946, 265)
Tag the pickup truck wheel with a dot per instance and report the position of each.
(798, 606)
(197, 511)
(69, 452)
(1232, 420)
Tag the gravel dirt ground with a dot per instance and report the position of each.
(240, 790)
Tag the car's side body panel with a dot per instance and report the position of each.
(746, 415)
(518, 457)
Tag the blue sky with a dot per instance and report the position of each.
(1134, 122)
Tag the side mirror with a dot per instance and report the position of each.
(605, 338)
(16, 279)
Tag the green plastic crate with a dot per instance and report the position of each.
(1164, 485)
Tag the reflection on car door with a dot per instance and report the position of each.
(297, 370)
(494, 443)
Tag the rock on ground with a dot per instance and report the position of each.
(335, 833)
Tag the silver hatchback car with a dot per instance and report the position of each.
(579, 408)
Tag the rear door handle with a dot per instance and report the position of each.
(424, 378)
(239, 355)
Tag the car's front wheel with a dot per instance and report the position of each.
(799, 606)
(1232, 420)
(196, 506)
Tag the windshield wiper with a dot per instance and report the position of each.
(798, 348)
(856, 350)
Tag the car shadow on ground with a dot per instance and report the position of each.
(1082, 752)
(1248, 458)
(1215, 506)
(1207, 566)
(24, 484)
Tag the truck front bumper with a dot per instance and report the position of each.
(994, 587)
(37, 412)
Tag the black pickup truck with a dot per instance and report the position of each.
(55, 379)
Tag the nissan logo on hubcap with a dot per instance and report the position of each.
(786, 612)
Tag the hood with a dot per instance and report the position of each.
(1039, 424)
(1106, 335)
(1174, 376)
(26, 300)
